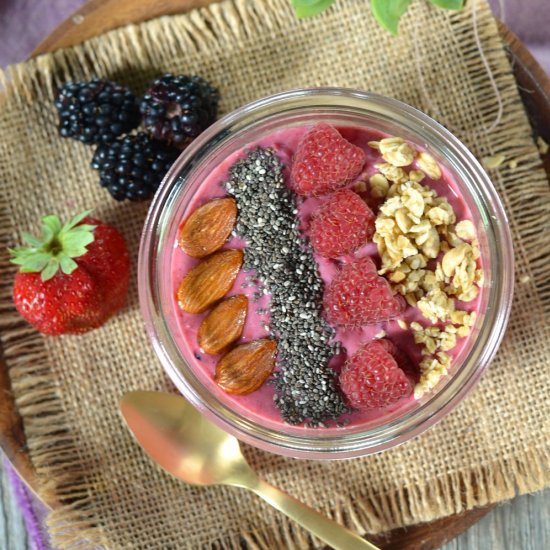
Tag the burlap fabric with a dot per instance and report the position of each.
(492, 446)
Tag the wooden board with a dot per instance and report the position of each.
(100, 16)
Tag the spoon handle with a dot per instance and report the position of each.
(322, 527)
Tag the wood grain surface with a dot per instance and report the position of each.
(99, 16)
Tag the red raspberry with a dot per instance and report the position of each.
(371, 378)
(324, 162)
(402, 360)
(359, 296)
(341, 225)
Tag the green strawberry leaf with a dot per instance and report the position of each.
(389, 12)
(448, 4)
(74, 243)
(50, 270)
(76, 220)
(68, 265)
(35, 262)
(55, 248)
(308, 8)
(31, 240)
(51, 226)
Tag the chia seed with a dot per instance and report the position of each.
(305, 386)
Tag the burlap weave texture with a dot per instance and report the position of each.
(493, 445)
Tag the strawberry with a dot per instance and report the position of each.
(341, 225)
(359, 296)
(324, 161)
(372, 378)
(73, 278)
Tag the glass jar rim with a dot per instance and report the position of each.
(459, 383)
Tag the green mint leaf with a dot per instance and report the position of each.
(308, 8)
(68, 265)
(50, 270)
(389, 12)
(448, 4)
(31, 240)
(76, 220)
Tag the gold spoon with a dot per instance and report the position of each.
(188, 446)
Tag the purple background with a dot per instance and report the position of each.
(24, 23)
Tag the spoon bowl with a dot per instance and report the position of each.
(181, 441)
(188, 446)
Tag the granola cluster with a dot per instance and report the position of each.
(428, 257)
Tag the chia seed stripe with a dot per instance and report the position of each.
(305, 387)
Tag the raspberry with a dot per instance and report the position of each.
(324, 162)
(371, 378)
(341, 225)
(402, 360)
(359, 296)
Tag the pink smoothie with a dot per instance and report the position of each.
(259, 405)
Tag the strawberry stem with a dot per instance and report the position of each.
(55, 248)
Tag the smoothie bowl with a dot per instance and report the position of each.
(326, 273)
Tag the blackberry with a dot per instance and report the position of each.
(178, 108)
(96, 111)
(133, 166)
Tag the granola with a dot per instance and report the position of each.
(428, 256)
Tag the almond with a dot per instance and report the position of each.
(208, 227)
(223, 325)
(209, 281)
(245, 368)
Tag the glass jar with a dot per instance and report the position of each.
(339, 107)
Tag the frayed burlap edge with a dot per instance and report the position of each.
(54, 454)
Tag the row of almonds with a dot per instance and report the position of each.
(245, 367)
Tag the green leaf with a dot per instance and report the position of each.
(51, 226)
(74, 243)
(84, 228)
(50, 270)
(308, 8)
(389, 12)
(56, 247)
(68, 265)
(35, 262)
(448, 4)
(76, 220)
(20, 255)
(31, 240)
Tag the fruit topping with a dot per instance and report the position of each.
(324, 162)
(72, 278)
(178, 108)
(372, 377)
(341, 225)
(209, 281)
(208, 227)
(223, 325)
(96, 111)
(245, 368)
(359, 296)
(132, 167)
